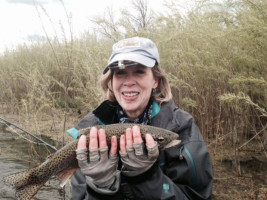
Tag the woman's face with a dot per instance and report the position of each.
(132, 87)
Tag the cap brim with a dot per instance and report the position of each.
(139, 58)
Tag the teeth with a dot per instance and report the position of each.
(130, 94)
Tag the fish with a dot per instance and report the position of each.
(64, 164)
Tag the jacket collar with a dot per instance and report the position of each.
(106, 112)
(165, 118)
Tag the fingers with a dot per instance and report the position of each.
(114, 146)
(123, 145)
(150, 142)
(82, 143)
(137, 138)
(81, 152)
(129, 137)
(133, 138)
(102, 138)
(97, 137)
(98, 140)
(126, 141)
(93, 144)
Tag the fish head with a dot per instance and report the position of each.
(166, 140)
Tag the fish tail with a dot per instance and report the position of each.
(27, 192)
(25, 189)
(17, 180)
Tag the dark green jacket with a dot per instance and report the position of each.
(183, 172)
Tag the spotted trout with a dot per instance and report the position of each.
(64, 164)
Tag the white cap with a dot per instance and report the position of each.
(136, 49)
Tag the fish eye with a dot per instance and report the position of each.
(160, 139)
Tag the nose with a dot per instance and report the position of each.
(129, 80)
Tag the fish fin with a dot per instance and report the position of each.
(65, 175)
(27, 192)
(17, 180)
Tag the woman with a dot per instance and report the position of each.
(137, 91)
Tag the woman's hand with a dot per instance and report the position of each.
(132, 151)
(101, 169)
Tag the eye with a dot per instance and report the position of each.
(119, 72)
(140, 71)
(160, 139)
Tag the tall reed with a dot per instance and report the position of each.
(215, 57)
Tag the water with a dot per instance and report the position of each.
(15, 157)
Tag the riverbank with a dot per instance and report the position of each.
(246, 180)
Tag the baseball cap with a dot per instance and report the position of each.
(137, 49)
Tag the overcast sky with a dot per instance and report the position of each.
(20, 21)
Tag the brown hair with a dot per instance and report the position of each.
(161, 94)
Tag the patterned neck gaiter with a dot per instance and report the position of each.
(144, 118)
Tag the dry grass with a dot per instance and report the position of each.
(215, 58)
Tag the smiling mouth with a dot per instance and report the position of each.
(130, 94)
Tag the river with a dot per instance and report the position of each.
(15, 157)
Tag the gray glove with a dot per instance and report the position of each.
(101, 171)
(136, 162)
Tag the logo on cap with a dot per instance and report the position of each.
(127, 43)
